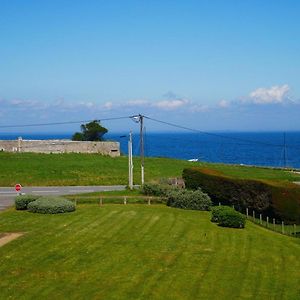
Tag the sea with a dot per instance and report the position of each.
(273, 149)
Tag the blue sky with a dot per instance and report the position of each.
(211, 65)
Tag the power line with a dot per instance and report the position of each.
(216, 134)
(62, 123)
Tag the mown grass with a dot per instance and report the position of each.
(32, 169)
(268, 175)
(143, 252)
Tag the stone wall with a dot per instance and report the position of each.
(60, 146)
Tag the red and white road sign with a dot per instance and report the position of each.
(18, 187)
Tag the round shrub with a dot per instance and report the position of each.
(51, 205)
(158, 190)
(22, 201)
(216, 211)
(231, 218)
(187, 199)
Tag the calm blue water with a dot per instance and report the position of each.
(264, 149)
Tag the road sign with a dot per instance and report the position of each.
(18, 187)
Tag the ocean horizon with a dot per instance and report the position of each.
(274, 149)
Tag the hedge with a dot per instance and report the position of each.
(281, 202)
(51, 205)
(22, 201)
(186, 199)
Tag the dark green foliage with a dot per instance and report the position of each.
(51, 205)
(22, 201)
(187, 199)
(231, 218)
(158, 190)
(216, 211)
(92, 131)
(275, 201)
(240, 193)
(78, 136)
(227, 217)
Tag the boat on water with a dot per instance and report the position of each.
(193, 159)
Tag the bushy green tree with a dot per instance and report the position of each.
(188, 199)
(92, 131)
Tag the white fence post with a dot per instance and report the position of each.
(260, 219)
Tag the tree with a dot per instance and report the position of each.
(92, 131)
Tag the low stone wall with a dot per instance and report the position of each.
(60, 146)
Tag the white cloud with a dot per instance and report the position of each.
(137, 102)
(108, 105)
(199, 108)
(171, 104)
(274, 94)
(223, 103)
(87, 104)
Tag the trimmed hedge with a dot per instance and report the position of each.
(187, 199)
(51, 205)
(280, 202)
(22, 201)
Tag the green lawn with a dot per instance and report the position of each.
(32, 169)
(143, 252)
(257, 173)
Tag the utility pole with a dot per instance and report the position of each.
(141, 120)
(130, 163)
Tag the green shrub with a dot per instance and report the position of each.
(231, 218)
(51, 205)
(22, 201)
(216, 211)
(187, 199)
(158, 190)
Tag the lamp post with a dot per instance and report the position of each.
(130, 162)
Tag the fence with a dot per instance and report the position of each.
(101, 200)
(271, 223)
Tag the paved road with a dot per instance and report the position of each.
(7, 194)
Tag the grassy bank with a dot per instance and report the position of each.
(143, 252)
(32, 169)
